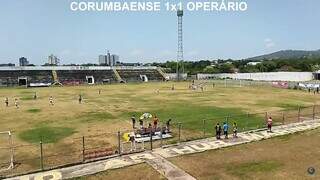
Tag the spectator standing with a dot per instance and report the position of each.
(155, 122)
(133, 141)
(218, 131)
(225, 130)
(141, 123)
(168, 125)
(269, 124)
(235, 130)
(133, 120)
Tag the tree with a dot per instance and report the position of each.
(226, 68)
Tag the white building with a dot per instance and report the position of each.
(102, 59)
(114, 60)
(108, 59)
(253, 63)
(263, 76)
(53, 60)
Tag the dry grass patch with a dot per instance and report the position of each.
(285, 157)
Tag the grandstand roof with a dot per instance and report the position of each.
(17, 68)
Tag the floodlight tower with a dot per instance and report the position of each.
(180, 45)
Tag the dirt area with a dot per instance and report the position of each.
(287, 157)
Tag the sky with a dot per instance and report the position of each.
(38, 28)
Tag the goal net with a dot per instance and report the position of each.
(6, 151)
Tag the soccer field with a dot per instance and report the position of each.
(101, 115)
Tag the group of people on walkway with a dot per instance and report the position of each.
(225, 128)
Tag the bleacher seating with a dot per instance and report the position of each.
(10, 78)
(74, 77)
(133, 75)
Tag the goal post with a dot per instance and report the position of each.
(6, 151)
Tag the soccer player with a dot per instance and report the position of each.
(218, 131)
(16, 103)
(35, 96)
(51, 101)
(80, 98)
(235, 130)
(269, 124)
(225, 130)
(6, 101)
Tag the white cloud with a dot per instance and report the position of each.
(269, 43)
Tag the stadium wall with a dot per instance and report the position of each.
(173, 76)
(268, 76)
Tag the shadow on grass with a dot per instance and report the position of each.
(34, 110)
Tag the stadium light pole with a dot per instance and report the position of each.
(180, 44)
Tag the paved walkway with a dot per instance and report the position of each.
(157, 156)
(167, 169)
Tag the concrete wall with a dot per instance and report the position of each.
(269, 76)
(173, 76)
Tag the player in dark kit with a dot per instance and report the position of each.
(80, 99)
(218, 131)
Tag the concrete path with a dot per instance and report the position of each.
(168, 170)
(153, 158)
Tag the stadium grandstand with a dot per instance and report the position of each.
(37, 76)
